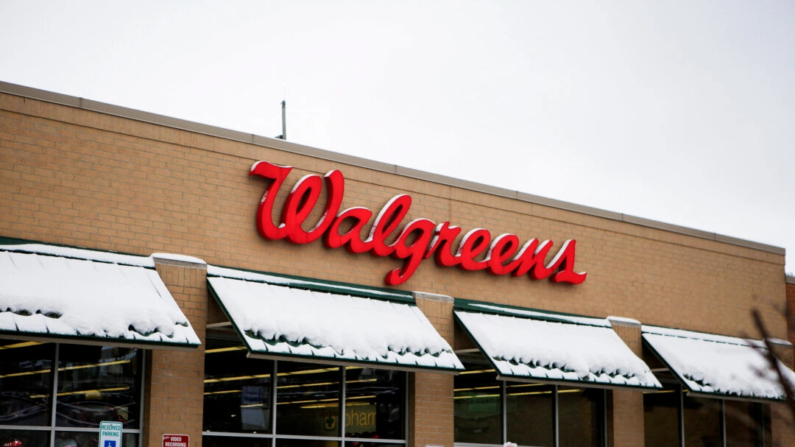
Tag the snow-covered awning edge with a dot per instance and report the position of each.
(317, 285)
(526, 379)
(699, 393)
(534, 314)
(98, 341)
(252, 353)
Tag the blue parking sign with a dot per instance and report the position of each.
(110, 434)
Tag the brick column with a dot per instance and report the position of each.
(431, 406)
(175, 379)
(626, 422)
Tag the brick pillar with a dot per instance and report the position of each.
(175, 379)
(626, 422)
(431, 405)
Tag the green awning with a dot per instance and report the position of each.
(53, 293)
(545, 347)
(324, 322)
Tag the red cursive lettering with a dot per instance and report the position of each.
(420, 238)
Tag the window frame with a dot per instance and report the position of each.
(52, 428)
(274, 436)
(604, 438)
(682, 394)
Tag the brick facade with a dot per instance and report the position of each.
(77, 177)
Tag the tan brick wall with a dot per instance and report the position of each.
(431, 394)
(175, 379)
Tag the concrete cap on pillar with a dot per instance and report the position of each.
(179, 260)
(621, 321)
(432, 297)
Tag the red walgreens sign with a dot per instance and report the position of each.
(420, 239)
(176, 440)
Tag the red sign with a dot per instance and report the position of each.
(420, 239)
(176, 440)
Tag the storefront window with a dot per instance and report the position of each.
(237, 390)
(305, 443)
(491, 411)
(308, 399)
(374, 403)
(93, 384)
(530, 409)
(581, 413)
(747, 424)
(88, 439)
(96, 384)
(239, 396)
(478, 416)
(24, 438)
(661, 417)
(25, 381)
(703, 421)
(223, 441)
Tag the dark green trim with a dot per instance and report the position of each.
(15, 241)
(683, 381)
(341, 361)
(314, 357)
(536, 379)
(69, 338)
(466, 305)
(321, 285)
(739, 343)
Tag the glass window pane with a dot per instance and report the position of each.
(745, 424)
(581, 412)
(25, 382)
(24, 438)
(661, 417)
(98, 383)
(702, 422)
(305, 443)
(237, 390)
(308, 399)
(478, 418)
(529, 408)
(89, 439)
(371, 444)
(374, 403)
(228, 441)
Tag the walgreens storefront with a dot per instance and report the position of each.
(200, 286)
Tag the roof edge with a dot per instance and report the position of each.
(273, 143)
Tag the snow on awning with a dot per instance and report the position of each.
(546, 347)
(716, 365)
(294, 319)
(74, 295)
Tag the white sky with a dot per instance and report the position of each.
(678, 111)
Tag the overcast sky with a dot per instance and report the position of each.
(683, 112)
